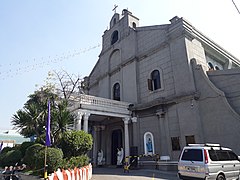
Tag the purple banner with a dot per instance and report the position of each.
(48, 136)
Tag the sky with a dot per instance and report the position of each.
(38, 36)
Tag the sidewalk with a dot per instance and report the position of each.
(102, 173)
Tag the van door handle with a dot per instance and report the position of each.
(234, 165)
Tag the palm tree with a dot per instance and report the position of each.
(62, 119)
(31, 120)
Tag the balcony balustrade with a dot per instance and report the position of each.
(93, 103)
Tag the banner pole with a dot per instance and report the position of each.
(45, 164)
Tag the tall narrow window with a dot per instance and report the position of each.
(175, 143)
(155, 82)
(134, 25)
(190, 139)
(114, 37)
(116, 92)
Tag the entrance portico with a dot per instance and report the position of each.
(108, 122)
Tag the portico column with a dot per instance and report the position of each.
(126, 135)
(78, 121)
(135, 136)
(85, 123)
(95, 128)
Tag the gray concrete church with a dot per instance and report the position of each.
(155, 89)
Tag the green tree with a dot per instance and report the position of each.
(76, 143)
(62, 119)
(30, 120)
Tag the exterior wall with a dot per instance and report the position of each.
(183, 79)
(193, 105)
(115, 65)
(129, 86)
(146, 125)
(149, 38)
(196, 50)
(161, 61)
(219, 120)
(229, 82)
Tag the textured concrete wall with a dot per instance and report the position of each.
(229, 82)
(220, 122)
(209, 116)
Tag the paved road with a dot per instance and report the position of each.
(141, 174)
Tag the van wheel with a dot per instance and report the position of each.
(220, 177)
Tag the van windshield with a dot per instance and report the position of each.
(192, 155)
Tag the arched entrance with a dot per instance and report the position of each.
(116, 144)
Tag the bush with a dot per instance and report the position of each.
(54, 159)
(6, 149)
(31, 155)
(76, 143)
(23, 147)
(73, 162)
(10, 158)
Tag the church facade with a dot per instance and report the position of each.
(155, 89)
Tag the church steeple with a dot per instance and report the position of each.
(120, 27)
(131, 20)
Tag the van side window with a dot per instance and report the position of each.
(222, 155)
(192, 155)
(232, 155)
(213, 155)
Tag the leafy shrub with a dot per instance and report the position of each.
(54, 159)
(78, 161)
(23, 147)
(76, 143)
(2, 155)
(10, 158)
(6, 149)
(31, 155)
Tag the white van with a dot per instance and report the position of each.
(208, 161)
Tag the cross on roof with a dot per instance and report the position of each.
(115, 8)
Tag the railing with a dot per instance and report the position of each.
(99, 102)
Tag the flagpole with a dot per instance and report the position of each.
(45, 163)
(48, 140)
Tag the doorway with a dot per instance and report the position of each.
(116, 144)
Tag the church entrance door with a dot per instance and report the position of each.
(116, 144)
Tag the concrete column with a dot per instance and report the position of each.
(135, 136)
(85, 123)
(228, 64)
(163, 142)
(126, 135)
(95, 128)
(78, 121)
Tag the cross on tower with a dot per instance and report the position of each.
(115, 8)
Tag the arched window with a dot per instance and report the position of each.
(155, 82)
(116, 92)
(134, 25)
(149, 143)
(114, 37)
(217, 68)
(210, 66)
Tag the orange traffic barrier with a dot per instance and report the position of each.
(84, 173)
